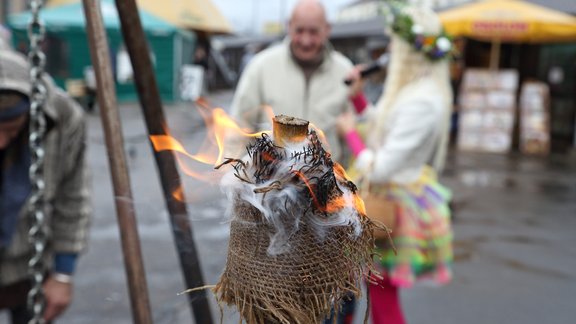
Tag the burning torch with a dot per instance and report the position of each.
(299, 238)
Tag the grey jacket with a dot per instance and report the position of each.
(67, 206)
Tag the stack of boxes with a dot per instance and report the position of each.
(534, 118)
(487, 109)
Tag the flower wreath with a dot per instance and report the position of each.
(434, 47)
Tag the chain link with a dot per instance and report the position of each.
(37, 235)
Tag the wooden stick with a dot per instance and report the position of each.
(125, 211)
(288, 130)
(151, 105)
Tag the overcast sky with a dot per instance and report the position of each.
(250, 15)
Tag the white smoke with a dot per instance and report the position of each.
(282, 198)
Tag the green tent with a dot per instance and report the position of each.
(68, 53)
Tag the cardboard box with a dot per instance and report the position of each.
(471, 120)
(499, 120)
(486, 79)
(507, 80)
(472, 100)
(497, 142)
(476, 79)
(500, 99)
(536, 143)
(532, 101)
(488, 106)
(534, 118)
(470, 141)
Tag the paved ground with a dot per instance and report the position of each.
(515, 227)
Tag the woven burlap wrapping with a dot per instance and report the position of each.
(299, 286)
(317, 263)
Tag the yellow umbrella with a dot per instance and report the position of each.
(198, 15)
(512, 21)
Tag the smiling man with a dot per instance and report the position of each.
(301, 77)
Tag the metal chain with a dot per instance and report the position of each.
(37, 235)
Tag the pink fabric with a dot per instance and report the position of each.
(385, 305)
(355, 142)
(360, 103)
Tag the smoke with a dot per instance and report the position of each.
(291, 186)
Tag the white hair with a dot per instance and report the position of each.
(407, 66)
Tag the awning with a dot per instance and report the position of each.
(197, 15)
(509, 21)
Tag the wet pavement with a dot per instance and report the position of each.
(515, 237)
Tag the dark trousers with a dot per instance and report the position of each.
(20, 314)
(13, 299)
(346, 314)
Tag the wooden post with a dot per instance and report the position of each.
(151, 105)
(99, 50)
(495, 54)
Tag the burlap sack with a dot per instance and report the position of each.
(298, 286)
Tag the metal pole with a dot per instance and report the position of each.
(151, 104)
(116, 157)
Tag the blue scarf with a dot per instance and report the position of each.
(14, 190)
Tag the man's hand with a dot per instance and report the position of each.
(58, 297)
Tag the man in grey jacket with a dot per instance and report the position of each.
(301, 77)
(66, 201)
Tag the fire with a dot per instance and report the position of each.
(335, 204)
(357, 200)
(178, 194)
(321, 136)
(222, 129)
(219, 128)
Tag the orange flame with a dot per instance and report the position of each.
(178, 194)
(321, 136)
(269, 112)
(219, 127)
(358, 202)
(332, 206)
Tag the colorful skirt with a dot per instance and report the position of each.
(422, 234)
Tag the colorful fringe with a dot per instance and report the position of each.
(422, 233)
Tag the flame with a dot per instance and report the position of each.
(321, 136)
(268, 111)
(178, 194)
(332, 206)
(219, 127)
(340, 172)
(336, 204)
(309, 186)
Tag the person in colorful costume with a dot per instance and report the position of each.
(404, 151)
